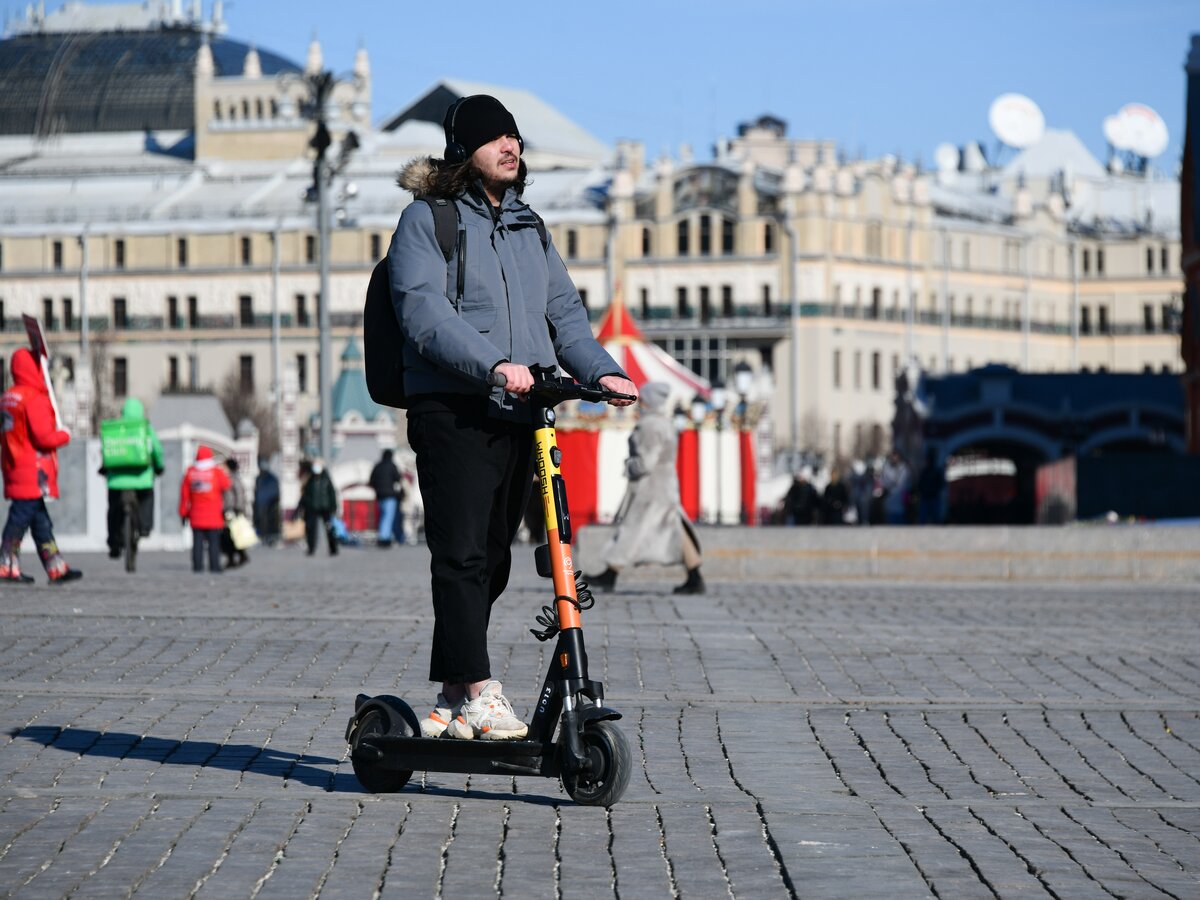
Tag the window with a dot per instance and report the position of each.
(768, 238)
(173, 312)
(858, 370)
(1148, 318)
(1168, 317)
(68, 308)
(310, 249)
(705, 304)
(1099, 261)
(58, 255)
(245, 108)
(766, 299)
(837, 368)
(647, 242)
(173, 374)
(258, 107)
(301, 311)
(876, 370)
(246, 311)
(1087, 262)
(1166, 262)
(193, 371)
(681, 303)
(120, 375)
(120, 315)
(248, 252)
(1102, 319)
(193, 314)
(644, 299)
(217, 110)
(727, 300)
(876, 302)
(181, 253)
(706, 235)
(119, 254)
(246, 374)
(1149, 259)
(727, 237)
(681, 237)
(48, 313)
(572, 243)
(301, 373)
(376, 247)
(1085, 320)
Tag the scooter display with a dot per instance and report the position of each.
(572, 734)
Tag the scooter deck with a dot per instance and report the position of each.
(449, 755)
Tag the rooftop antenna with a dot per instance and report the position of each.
(1017, 121)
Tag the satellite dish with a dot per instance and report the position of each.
(1140, 130)
(1016, 120)
(1114, 132)
(946, 158)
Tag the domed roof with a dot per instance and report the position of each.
(83, 82)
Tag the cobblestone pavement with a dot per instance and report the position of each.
(171, 735)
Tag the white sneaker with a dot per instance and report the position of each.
(489, 716)
(434, 724)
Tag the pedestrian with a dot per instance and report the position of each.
(801, 503)
(930, 483)
(234, 501)
(266, 504)
(862, 487)
(385, 482)
(652, 527)
(133, 471)
(835, 501)
(29, 439)
(473, 444)
(318, 504)
(896, 480)
(202, 505)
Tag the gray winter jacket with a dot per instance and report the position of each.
(518, 304)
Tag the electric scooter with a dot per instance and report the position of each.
(590, 753)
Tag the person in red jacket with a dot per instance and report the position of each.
(201, 502)
(28, 440)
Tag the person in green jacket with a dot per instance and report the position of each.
(139, 479)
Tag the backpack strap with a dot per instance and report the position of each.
(448, 230)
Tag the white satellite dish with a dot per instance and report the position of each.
(1141, 130)
(1016, 120)
(1114, 132)
(946, 158)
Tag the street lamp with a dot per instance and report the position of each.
(320, 94)
(743, 383)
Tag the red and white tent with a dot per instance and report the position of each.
(644, 361)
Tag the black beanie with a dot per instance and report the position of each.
(475, 121)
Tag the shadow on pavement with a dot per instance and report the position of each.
(199, 754)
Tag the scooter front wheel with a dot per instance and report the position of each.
(608, 777)
(370, 774)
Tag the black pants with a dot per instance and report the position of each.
(116, 516)
(312, 522)
(200, 537)
(475, 476)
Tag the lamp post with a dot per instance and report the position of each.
(719, 400)
(320, 90)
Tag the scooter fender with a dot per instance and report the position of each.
(595, 714)
(390, 706)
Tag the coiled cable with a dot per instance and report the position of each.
(548, 618)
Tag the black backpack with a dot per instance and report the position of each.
(383, 341)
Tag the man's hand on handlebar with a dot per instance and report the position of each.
(619, 385)
(517, 378)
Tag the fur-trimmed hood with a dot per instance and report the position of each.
(419, 176)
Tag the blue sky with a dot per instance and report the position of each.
(877, 76)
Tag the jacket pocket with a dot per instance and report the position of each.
(481, 318)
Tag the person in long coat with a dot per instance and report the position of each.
(653, 527)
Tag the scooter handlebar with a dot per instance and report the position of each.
(556, 390)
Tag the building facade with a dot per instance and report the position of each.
(184, 256)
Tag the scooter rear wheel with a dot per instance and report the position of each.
(370, 774)
(605, 744)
